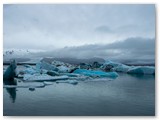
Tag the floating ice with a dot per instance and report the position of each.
(71, 74)
(108, 62)
(47, 83)
(63, 69)
(30, 70)
(142, 70)
(46, 66)
(43, 77)
(10, 72)
(121, 68)
(96, 73)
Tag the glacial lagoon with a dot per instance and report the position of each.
(127, 95)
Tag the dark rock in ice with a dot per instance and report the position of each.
(96, 65)
(85, 66)
(52, 73)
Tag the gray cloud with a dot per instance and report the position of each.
(104, 29)
(40, 26)
(131, 48)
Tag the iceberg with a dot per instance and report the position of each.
(30, 70)
(108, 62)
(10, 72)
(109, 65)
(43, 77)
(121, 68)
(96, 73)
(46, 66)
(148, 70)
(70, 74)
(63, 69)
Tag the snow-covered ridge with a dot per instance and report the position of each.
(18, 53)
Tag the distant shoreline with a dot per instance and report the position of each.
(7, 63)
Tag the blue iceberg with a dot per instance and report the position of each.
(96, 73)
(148, 70)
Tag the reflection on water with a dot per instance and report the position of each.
(11, 91)
(128, 95)
(143, 77)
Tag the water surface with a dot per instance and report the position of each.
(128, 95)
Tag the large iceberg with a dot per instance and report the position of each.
(43, 77)
(63, 69)
(46, 66)
(10, 72)
(30, 70)
(115, 66)
(119, 67)
(149, 70)
(96, 73)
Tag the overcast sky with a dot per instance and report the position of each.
(100, 30)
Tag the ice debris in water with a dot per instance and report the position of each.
(142, 70)
(96, 73)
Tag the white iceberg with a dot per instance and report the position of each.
(46, 66)
(43, 77)
(63, 69)
(30, 70)
(121, 68)
(108, 62)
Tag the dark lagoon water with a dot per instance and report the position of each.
(128, 95)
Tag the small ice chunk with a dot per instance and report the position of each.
(47, 83)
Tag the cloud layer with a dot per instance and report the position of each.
(131, 48)
(48, 26)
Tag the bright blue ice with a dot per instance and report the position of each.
(96, 73)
